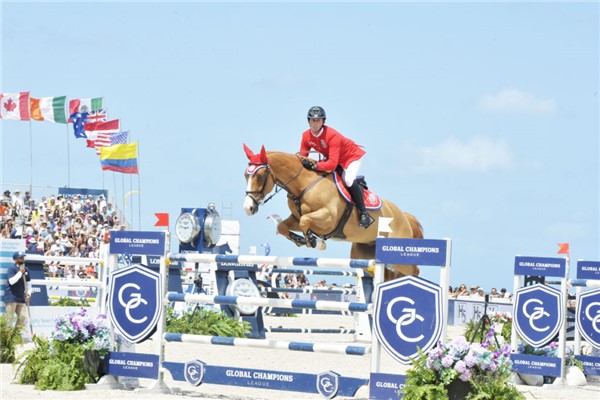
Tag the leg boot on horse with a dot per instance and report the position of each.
(356, 191)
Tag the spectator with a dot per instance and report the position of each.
(494, 293)
(504, 294)
(461, 291)
(6, 197)
(473, 292)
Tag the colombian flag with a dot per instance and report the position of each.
(120, 158)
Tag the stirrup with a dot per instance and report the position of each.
(365, 220)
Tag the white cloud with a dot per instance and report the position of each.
(478, 154)
(514, 100)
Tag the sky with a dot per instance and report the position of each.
(481, 119)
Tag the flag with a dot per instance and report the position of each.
(78, 120)
(97, 116)
(14, 106)
(163, 219)
(110, 139)
(120, 158)
(93, 129)
(85, 105)
(564, 248)
(51, 109)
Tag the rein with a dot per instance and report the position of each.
(280, 185)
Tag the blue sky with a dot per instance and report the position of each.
(480, 119)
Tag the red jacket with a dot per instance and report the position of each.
(337, 149)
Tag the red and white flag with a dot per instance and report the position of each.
(92, 130)
(14, 106)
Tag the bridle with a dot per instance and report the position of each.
(261, 192)
(279, 186)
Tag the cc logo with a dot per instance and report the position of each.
(408, 317)
(538, 313)
(596, 319)
(134, 302)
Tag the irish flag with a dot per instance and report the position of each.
(14, 106)
(85, 105)
(51, 109)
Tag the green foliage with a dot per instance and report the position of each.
(202, 321)
(31, 362)
(421, 381)
(490, 389)
(57, 368)
(10, 337)
(68, 302)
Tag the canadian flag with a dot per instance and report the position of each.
(14, 106)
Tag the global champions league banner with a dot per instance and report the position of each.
(135, 302)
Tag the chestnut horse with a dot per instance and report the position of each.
(317, 207)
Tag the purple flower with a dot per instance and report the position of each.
(465, 376)
(447, 361)
(470, 360)
(460, 367)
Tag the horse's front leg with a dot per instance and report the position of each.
(285, 227)
(321, 217)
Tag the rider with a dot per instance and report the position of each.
(338, 150)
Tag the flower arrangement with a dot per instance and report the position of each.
(80, 328)
(72, 356)
(484, 367)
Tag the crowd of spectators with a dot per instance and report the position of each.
(72, 225)
(477, 292)
(295, 280)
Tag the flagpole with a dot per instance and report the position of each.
(30, 158)
(123, 198)
(131, 190)
(116, 201)
(139, 191)
(68, 159)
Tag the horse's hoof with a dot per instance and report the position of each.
(321, 245)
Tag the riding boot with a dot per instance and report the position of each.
(356, 191)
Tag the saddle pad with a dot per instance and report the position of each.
(372, 201)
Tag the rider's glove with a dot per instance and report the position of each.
(306, 163)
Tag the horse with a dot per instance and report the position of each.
(318, 210)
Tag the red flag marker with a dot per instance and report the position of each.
(163, 219)
(564, 248)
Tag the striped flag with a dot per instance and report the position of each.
(51, 109)
(109, 139)
(92, 130)
(97, 116)
(120, 158)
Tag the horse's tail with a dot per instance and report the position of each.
(415, 225)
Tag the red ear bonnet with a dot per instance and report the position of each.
(263, 155)
(248, 152)
(260, 159)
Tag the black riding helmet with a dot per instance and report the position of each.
(316, 112)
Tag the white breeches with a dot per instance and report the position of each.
(350, 173)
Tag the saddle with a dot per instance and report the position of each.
(372, 201)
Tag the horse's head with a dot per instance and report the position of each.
(259, 180)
